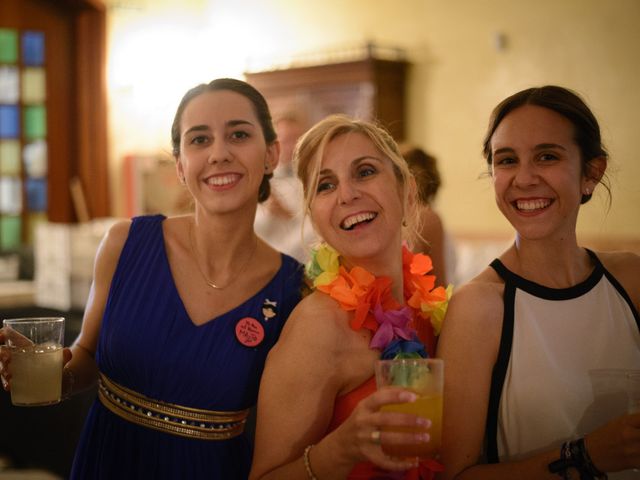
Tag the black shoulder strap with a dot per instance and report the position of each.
(502, 363)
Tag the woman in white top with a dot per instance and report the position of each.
(527, 339)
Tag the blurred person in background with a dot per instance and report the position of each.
(280, 220)
(433, 239)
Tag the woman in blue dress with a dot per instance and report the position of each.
(183, 310)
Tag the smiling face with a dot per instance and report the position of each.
(223, 153)
(358, 203)
(537, 172)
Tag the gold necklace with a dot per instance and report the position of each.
(196, 257)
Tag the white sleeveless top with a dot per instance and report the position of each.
(562, 363)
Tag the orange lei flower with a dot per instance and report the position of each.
(359, 291)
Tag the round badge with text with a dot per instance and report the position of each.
(249, 332)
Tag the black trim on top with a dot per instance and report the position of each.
(502, 362)
(548, 293)
(512, 283)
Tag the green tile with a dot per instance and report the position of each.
(35, 121)
(9, 157)
(10, 228)
(8, 45)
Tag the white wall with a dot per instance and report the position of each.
(160, 48)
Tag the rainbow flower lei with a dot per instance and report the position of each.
(398, 331)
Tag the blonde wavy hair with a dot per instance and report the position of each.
(309, 151)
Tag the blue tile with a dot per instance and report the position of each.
(9, 121)
(33, 48)
(36, 194)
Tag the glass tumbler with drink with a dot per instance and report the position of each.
(36, 346)
(425, 378)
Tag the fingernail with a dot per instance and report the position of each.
(423, 437)
(423, 422)
(408, 397)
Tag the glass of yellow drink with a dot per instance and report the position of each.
(36, 359)
(424, 377)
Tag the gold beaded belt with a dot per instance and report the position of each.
(168, 417)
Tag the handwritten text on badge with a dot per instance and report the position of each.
(249, 332)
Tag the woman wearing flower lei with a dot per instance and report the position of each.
(318, 406)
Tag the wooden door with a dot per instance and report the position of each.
(68, 120)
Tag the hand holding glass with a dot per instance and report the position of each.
(424, 377)
(36, 359)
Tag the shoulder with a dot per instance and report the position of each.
(431, 217)
(312, 335)
(316, 319)
(625, 267)
(109, 252)
(430, 221)
(116, 237)
(620, 263)
(483, 294)
(475, 313)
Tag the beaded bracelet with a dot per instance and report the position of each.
(574, 455)
(587, 467)
(307, 463)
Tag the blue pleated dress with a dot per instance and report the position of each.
(149, 344)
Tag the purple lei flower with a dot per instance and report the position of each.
(393, 324)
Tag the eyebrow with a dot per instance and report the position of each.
(196, 128)
(327, 171)
(235, 123)
(540, 146)
(230, 123)
(543, 146)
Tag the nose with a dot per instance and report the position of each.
(219, 152)
(347, 192)
(526, 175)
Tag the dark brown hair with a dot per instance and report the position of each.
(425, 170)
(564, 102)
(250, 93)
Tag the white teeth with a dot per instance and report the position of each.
(219, 181)
(361, 217)
(529, 205)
